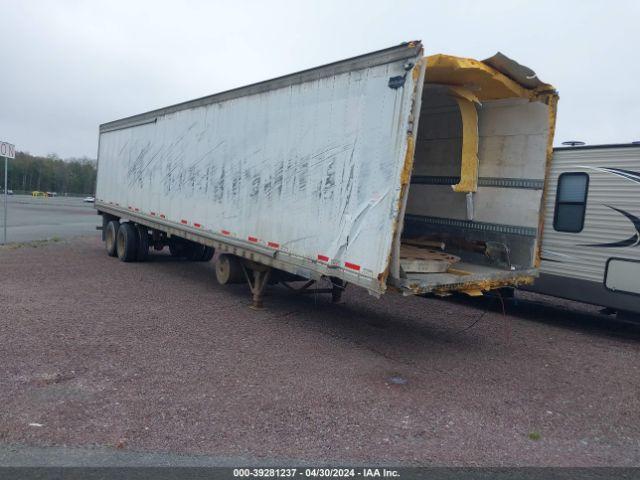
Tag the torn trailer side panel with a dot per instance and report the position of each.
(309, 166)
(425, 174)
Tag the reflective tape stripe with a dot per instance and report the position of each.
(352, 266)
(273, 244)
(323, 258)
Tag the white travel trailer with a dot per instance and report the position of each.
(591, 239)
(391, 171)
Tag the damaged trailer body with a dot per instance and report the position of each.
(390, 170)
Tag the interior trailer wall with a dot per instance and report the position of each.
(501, 227)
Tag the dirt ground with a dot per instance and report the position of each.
(157, 357)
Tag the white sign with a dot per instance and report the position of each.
(7, 150)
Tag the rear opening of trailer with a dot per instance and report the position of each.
(471, 218)
(390, 170)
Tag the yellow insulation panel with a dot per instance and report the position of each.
(485, 82)
(469, 171)
(471, 81)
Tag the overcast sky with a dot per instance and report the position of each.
(68, 66)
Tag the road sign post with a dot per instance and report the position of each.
(6, 199)
(7, 151)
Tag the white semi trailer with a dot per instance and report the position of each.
(390, 171)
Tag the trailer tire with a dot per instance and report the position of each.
(110, 237)
(626, 316)
(143, 244)
(195, 252)
(229, 270)
(177, 248)
(127, 242)
(208, 254)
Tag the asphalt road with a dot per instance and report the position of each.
(39, 218)
(157, 358)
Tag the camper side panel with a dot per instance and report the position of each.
(575, 264)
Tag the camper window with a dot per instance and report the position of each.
(571, 202)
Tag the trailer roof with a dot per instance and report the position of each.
(496, 77)
(491, 79)
(404, 50)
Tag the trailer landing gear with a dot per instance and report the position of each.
(257, 280)
(233, 269)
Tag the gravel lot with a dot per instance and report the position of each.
(157, 357)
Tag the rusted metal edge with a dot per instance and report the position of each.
(393, 261)
(510, 279)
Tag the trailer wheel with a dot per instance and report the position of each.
(110, 239)
(194, 252)
(625, 316)
(208, 254)
(177, 248)
(229, 270)
(142, 253)
(127, 242)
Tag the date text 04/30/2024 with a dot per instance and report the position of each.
(316, 472)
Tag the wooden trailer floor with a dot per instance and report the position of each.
(460, 274)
